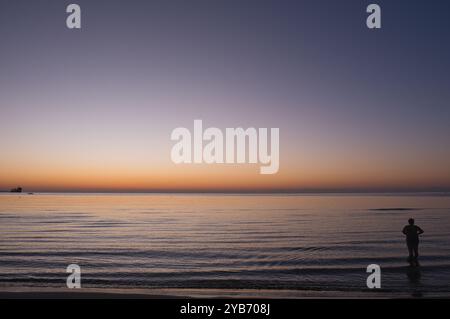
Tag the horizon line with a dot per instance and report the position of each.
(240, 192)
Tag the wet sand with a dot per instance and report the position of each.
(37, 293)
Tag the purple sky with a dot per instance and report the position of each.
(93, 109)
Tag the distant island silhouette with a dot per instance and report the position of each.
(16, 190)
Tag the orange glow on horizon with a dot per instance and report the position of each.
(211, 177)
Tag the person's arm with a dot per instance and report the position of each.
(419, 230)
(404, 230)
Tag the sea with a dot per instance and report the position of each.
(286, 245)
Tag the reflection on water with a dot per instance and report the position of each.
(314, 242)
(414, 274)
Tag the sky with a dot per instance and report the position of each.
(93, 109)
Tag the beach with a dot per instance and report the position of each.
(33, 293)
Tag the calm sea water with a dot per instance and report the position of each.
(289, 242)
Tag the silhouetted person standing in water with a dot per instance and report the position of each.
(412, 233)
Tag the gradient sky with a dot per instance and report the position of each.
(93, 109)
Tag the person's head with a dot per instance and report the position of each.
(411, 221)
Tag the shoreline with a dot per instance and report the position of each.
(179, 293)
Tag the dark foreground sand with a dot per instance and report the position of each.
(39, 293)
(78, 295)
